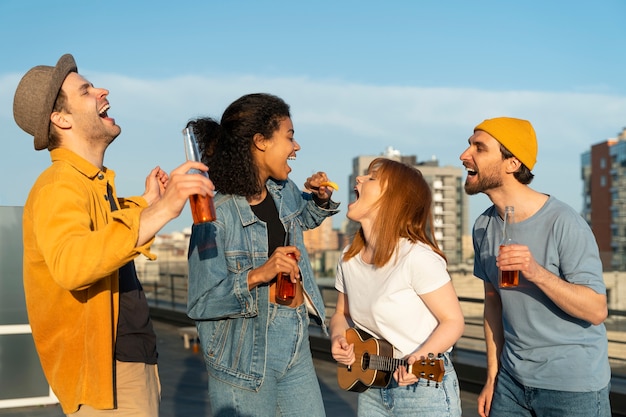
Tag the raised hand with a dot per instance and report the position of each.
(320, 186)
(156, 182)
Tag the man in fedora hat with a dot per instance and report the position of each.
(546, 344)
(87, 310)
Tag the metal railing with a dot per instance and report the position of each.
(169, 292)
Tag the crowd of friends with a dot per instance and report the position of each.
(397, 314)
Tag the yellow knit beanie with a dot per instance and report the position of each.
(517, 135)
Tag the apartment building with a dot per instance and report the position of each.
(603, 171)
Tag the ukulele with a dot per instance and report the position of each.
(374, 364)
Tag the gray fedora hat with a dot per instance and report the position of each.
(35, 96)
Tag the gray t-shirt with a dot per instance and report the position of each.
(544, 346)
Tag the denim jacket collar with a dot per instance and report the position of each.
(246, 215)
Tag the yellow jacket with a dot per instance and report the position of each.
(73, 247)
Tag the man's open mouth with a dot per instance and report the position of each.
(103, 111)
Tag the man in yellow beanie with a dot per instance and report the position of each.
(547, 350)
(86, 307)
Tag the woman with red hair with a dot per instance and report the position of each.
(393, 285)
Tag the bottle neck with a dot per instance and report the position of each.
(507, 229)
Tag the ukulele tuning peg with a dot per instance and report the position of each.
(431, 356)
(440, 355)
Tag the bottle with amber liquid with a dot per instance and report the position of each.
(508, 279)
(202, 208)
(285, 289)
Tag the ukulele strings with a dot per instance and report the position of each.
(385, 363)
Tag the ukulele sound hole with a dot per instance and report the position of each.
(365, 362)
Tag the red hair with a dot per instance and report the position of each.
(406, 211)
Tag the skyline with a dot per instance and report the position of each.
(359, 77)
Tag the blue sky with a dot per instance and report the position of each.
(359, 75)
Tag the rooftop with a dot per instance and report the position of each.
(184, 384)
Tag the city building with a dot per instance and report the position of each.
(323, 246)
(603, 169)
(450, 209)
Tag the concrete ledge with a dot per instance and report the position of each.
(320, 343)
(171, 316)
(470, 368)
(190, 336)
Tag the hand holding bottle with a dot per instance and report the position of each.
(202, 208)
(285, 288)
(508, 279)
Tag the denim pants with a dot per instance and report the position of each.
(512, 399)
(290, 386)
(420, 399)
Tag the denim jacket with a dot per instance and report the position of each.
(232, 320)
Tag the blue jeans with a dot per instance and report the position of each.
(512, 399)
(419, 399)
(290, 386)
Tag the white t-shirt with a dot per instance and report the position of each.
(385, 301)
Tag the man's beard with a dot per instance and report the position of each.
(107, 136)
(486, 183)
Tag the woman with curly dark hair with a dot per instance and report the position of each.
(255, 343)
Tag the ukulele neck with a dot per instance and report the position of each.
(384, 363)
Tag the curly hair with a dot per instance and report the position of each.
(407, 202)
(226, 147)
